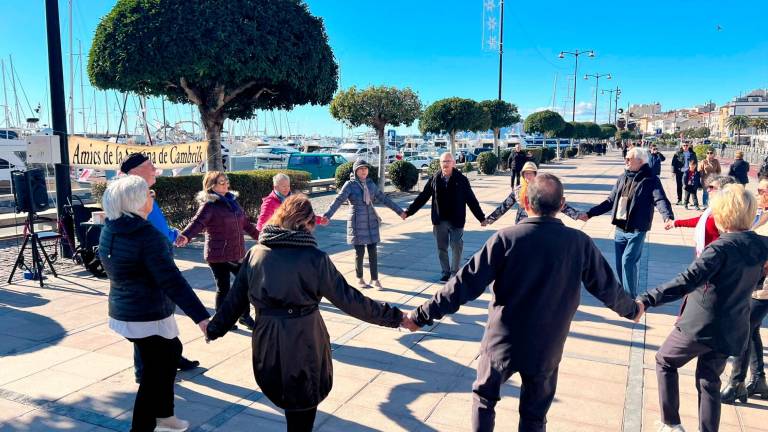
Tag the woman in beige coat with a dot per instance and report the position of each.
(709, 167)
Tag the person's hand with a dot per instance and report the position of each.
(324, 220)
(669, 225)
(404, 215)
(181, 240)
(408, 322)
(204, 327)
(484, 222)
(583, 217)
(640, 312)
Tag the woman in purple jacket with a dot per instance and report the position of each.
(224, 223)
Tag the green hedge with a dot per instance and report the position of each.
(176, 195)
(433, 167)
(468, 167)
(505, 154)
(344, 170)
(404, 175)
(701, 151)
(487, 162)
(536, 154)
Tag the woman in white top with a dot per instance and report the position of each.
(144, 288)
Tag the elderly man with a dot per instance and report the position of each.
(451, 194)
(139, 165)
(281, 189)
(516, 161)
(679, 164)
(631, 204)
(532, 306)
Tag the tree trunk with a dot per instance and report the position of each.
(213, 122)
(382, 156)
(496, 146)
(452, 143)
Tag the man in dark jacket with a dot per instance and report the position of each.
(679, 164)
(139, 165)
(631, 204)
(451, 193)
(517, 159)
(655, 159)
(739, 168)
(533, 303)
(714, 321)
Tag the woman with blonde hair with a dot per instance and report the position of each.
(714, 320)
(520, 195)
(285, 276)
(224, 223)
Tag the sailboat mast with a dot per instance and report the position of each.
(15, 95)
(6, 111)
(71, 74)
(82, 86)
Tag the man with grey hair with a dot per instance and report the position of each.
(631, 204)
(532, 306)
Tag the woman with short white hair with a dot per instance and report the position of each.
(144, 288)
(714, 322)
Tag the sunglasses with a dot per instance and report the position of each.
(761, 191)
(710, 187)
(223, 182)
(710, 152)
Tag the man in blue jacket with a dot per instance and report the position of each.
(139, 165)
(631, 204)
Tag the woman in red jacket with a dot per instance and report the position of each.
(224, 223)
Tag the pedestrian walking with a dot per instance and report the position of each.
(285, 276)
(532, 306)
(516, 161)
(139, 165)
(655, 159)
(519, 194)
(709, 167)
(451, 194)
(752, 356)
(631, 203)
(713, 323)
(679, 165)
(363, 222)
(144, 288)
(692, 181)
(224, 223)
(739, 168)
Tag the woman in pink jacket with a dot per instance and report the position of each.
(269, 204)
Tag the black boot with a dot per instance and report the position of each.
(732, 392)
(757, 386)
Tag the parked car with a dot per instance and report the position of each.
(318, 165)
(419, 161)
(465, 155)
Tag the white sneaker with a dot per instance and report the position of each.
(171, 424)
(667, 428)
(376, 284)
(362, 284)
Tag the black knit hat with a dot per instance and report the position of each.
(359, 164)
(133, 160)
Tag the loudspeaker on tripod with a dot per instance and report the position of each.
(30, 191)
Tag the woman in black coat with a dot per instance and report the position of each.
(714, 321)
(739, 168)
(285, 277)
(144, 288)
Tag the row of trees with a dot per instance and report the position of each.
(552, 124)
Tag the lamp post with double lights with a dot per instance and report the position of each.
(597, 77)
(575, 54)
(610, 101)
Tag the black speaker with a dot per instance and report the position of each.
(29, 190)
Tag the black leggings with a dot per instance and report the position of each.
(221, 272)
(373, 260)
(154, 399)
(300, 421)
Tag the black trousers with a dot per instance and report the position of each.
(515, 177)
(373, 260)
(160, 356)
(753, 355)
(536, 395)
(679, 185)
(691, 194)
(300, 421)
(221, 272)
(676, 351)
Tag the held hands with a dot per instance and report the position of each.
(640, 312)
(324, 221)
(404, 215)
(669, 225)
(484, 222)
(582, 217)
(408, 322)
(204, 328)
(181, 241)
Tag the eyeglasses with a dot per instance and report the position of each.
(710, 152)
(761, 191)
(223, 182)
(710, 187)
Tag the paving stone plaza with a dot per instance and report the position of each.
(62, 368)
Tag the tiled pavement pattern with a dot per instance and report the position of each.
(63, 369)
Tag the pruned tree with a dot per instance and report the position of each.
(593, 130)
(454, 115)
(228, 58)
(377, 107)
(608, 131)
(503, 114)
(545, 122)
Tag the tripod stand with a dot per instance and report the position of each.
(32, 238)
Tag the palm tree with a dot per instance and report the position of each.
(738, 122)
(760, 124)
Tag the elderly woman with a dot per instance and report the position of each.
(224, 223)
(363, 222)
(518, 195)
(739, 168)
(286, 276)
(281, 189)
(144, 288)
(714, 322)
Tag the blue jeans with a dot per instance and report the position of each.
(629, 248)
(705, 197)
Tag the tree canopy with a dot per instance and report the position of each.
(227, 57)
(503, 114)
(546, 122)
(607, 130)
(454, 115)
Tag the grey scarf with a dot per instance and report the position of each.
(275, 236)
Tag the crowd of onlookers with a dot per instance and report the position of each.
(285, 276)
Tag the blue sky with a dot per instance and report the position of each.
(657, 51)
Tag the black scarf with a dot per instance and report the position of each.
(275, 236)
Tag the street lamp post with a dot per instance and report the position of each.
(610, 102)
(597, 77)
(575, 54)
